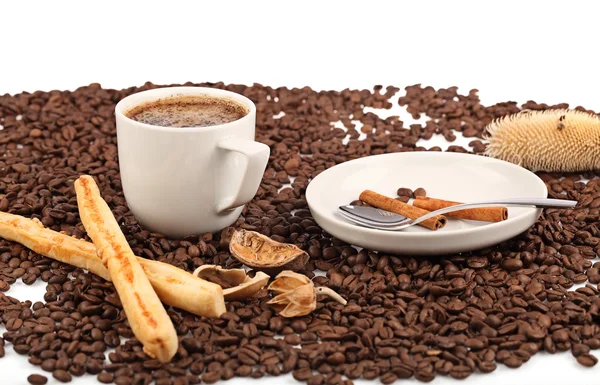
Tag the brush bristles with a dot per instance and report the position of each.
(551, 140)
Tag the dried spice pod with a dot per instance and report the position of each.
(296, 294)
(262, 253)
(550, 140)
(236, 283)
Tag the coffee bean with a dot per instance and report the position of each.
(316, 379)
(579, 349)
(63, 363)
(93, 366)
(14, 324)
(336, 358)
(62, 375)
(37, 379)
(77, 370)
(460, 372)
(587, 359)
(420, 192)
(49, 365)
(123, 380)
(302, 374)
(387, 352)
(299, 326)
(388, 378)
(211, 377)
(243, 371)
(292, 339)
(512, 264)
(476, 262)
(4, 286)
(487, 366)
(560, 336)
(404, 192)
(512, 361)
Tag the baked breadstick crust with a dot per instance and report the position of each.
(33, 235)
(175, 287)
(147, 317)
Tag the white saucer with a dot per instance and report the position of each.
(444, 175)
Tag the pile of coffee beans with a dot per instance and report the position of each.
(406, 316)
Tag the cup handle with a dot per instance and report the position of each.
(257, 155)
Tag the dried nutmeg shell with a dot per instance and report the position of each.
(297, 295)
(550, 140)
(238, 285)
(262, 253)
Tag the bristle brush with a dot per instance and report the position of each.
(550, 140)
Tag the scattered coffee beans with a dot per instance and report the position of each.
(450, 315)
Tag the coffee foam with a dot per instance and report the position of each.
(188, 111)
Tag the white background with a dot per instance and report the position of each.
(509, 50)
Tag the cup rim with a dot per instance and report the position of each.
(157, 93)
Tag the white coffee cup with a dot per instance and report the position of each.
(191, 180)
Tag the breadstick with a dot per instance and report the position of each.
(32, 234)
(147, 317)
(175, 287)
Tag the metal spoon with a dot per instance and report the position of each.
(384, 220)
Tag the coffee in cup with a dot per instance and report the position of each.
(188, 111)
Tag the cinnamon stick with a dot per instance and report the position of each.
(395, 206)
(485, 214)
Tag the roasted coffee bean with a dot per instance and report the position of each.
(512, 361)
(579, 349)
(49, 365)
(62, 375)
(121, 380)
(487, 366)
(460, 372)
(93, 366)
(4, 286)
(512, 264)
(63, 363)
(211, 377)
(316, 379)
(302, 374)
(388, 378)
(243, 371)
(14, 324)
(37, 379)
(299, 326)
(336, 359)
(587, 359)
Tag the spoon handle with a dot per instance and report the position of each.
(537, 202)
